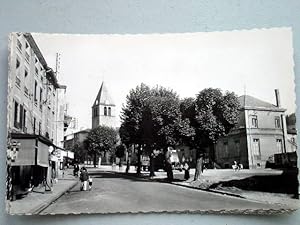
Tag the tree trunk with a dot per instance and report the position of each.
(130, 150)
(120, 162)
(199, 168)
(168, 165)
(138, 171)
(95, 159)
(152, 173)
(127, 165)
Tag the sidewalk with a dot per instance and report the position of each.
(35, 202)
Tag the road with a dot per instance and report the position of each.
(112, 193)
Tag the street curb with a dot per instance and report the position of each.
(44, 205)
(210, 190)
(191, 187)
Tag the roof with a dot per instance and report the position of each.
(249, 102)
(103, 96)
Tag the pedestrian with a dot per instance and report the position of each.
(76, 170)
(84, 177)
(90, 183)
(186, 168)
(235, 166)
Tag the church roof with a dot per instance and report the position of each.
(103, 96)
(247, 101)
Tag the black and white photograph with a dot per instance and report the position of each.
(142, 123)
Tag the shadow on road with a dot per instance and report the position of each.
(286, 183)
(131, 177)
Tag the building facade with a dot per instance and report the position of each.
(33, 112)
(103, 109)
(75, 143)
(261, 133)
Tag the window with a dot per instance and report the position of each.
(96, 112)
(109, 111)
(36, 71)
(26, 91)
(21, 123)
(41, 99)
(18, 81)
(41, 95)
(24, 121)
(17, 63)
(25, 73)
(40, 128)
(279, 146)
(254, 121)
(34, 123)
(277, 122)
(256, 149)
(105, 111)
(35, 90)
(16, 115)
(27, 56)
(19, 45)
(26, 45)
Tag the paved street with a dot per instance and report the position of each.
(113, 193)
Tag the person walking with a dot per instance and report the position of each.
(84, 177)
(186, 171)
(76, 170)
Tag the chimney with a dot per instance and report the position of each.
(277, 96)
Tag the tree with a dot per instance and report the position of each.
(100, 140)
(131, 117)
(80, 151)
(152, 119)
(167, 125)
(215, 115)
(120, 152)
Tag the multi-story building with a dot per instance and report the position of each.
(260, 134)
(33, 112)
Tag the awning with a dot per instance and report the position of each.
(32, 150)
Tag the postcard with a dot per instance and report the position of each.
(139, 123)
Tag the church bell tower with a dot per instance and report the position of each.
(103, 109)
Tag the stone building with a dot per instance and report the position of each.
(104, 109)
(33, 112)
(260, 134)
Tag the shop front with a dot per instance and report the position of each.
(29, 168)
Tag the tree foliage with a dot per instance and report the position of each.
(101, 139)
(216, 114)
(152, 117)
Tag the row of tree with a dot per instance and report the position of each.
(156, 118)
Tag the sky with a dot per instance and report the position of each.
(254, 62)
